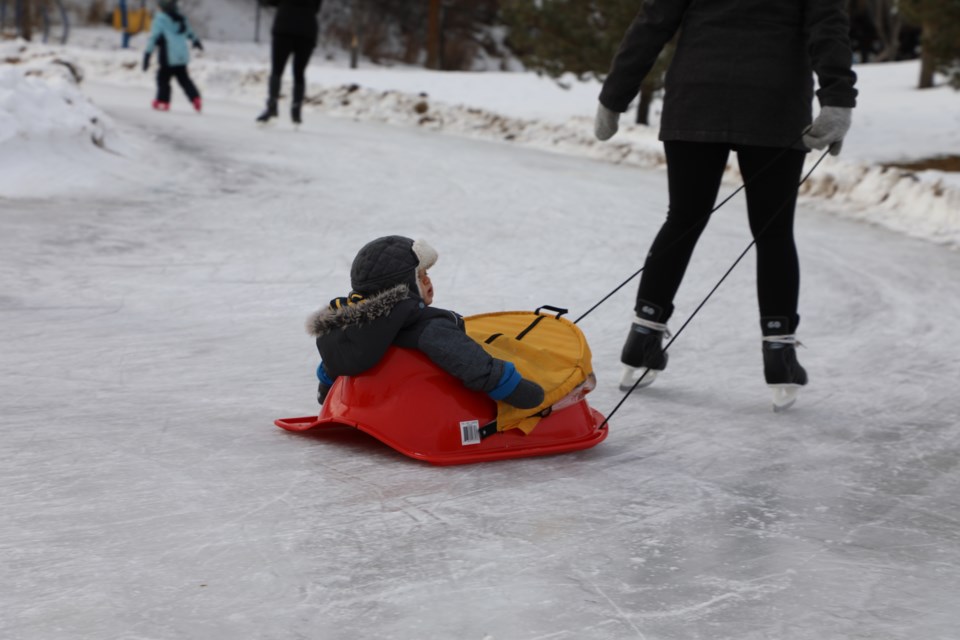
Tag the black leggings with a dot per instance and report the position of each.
(694, 171)
(164, 73)
(282, 48)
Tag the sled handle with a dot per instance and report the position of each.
(559, 311)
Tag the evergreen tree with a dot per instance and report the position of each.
(580, 37)
(940, 42)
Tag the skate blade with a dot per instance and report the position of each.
(784, 396)
(632, 374)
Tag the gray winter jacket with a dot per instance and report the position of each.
(352, 339)
(743, 69)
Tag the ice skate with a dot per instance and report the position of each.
(632, 375)
(784, 396)
(643, 356)
(295, 112)
(268, 113)
(160, 106)
(197, 104)
(783, 373)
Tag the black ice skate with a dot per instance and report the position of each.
(295, 113)
(782, 371)
(269, 112)
(643, 356)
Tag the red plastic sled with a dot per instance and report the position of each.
(411, 405)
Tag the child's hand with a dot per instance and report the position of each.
(197, 45)
(325, 383)
(527, 395)
(322, 391)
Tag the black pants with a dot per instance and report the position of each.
(282, 48)
(694, 171)
(164, 73)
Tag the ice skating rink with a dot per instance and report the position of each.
(153, 329)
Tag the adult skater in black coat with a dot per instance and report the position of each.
(741, 80)
(294, 33)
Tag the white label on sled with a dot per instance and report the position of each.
(470, 432)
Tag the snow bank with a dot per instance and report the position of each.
(638, 146)
(51, 136)
(40, 99)
(921, 204)
(893, 122)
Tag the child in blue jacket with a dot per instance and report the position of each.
(169, 34)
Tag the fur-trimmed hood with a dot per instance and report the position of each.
(327, 319)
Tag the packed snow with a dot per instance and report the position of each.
(156, 270)
(894, 123)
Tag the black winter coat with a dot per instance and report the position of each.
(743, 69)
(295, 17)
(354, 338)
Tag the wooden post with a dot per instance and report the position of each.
(433, 35)
(927, 62)
(26, 19)
(355, 28)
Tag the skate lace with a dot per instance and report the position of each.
(650, 324)
(785, 339)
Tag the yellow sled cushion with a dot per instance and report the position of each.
(550, 350)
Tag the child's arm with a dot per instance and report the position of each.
(191, 36)
(450, 348)
(156, 27)
(323, 388)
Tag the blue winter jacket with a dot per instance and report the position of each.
(170, 33)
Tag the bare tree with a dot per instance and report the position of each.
(939, 22)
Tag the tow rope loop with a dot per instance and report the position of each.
(714, 289)
(683, 235)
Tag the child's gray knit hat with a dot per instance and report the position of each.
(388, 261)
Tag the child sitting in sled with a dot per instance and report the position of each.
(389, 306)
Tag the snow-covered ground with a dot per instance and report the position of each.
(156, 269)
(894, 123)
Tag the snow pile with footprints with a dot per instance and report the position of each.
(42, 109)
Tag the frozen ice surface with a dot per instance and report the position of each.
(152, 330)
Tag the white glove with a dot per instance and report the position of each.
(828, 129)
(606, 123)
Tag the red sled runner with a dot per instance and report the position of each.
(413, 406)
